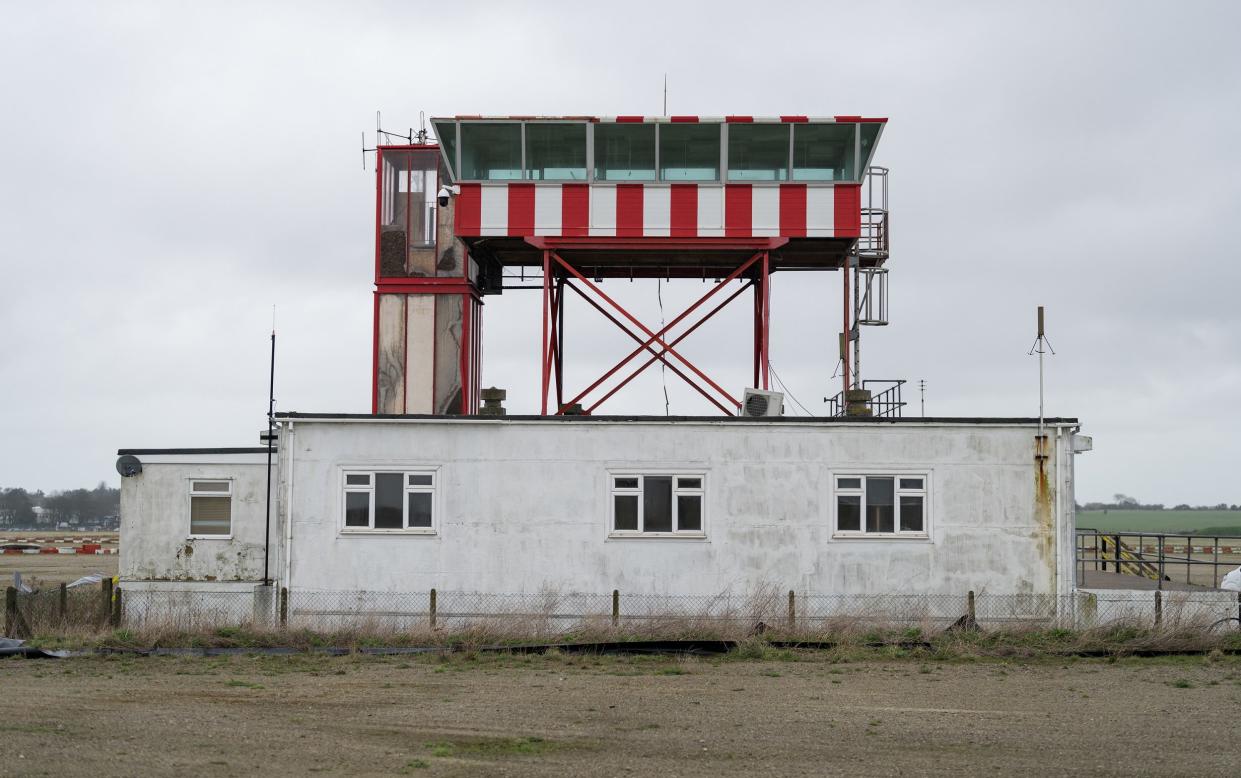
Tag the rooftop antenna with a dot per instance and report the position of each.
(922, 392)
(271, 424)
(384, 137)
(1041, 346)
(665, 113)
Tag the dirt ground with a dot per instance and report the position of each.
(597, 716)
(54, 568)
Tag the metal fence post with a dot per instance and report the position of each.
(792, 610)
(106, 590)
(284, 607)
(615, 607)
(969, 607)
(433, 598)
(64, 600)
(1158, 608)
(116, 607)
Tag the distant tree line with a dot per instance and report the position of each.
(97, 508)
(1123, 502)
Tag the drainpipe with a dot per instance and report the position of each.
(286, 464)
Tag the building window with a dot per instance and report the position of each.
(211, 509)
(824, 152)
(625, 152)
(389, 501)
(556, 152)
(758, 152)
(881, 505)
(490, 151)
(689, 152)
(657, 505)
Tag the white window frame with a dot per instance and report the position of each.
(641, 474)
(834, 492)
(406, 472)
(189, 506)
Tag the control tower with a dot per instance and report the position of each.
(574, 200)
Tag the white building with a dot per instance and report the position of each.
(647, 506)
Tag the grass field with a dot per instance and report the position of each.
(800, 713)
(1179, 522)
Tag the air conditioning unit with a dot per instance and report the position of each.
(758, 402)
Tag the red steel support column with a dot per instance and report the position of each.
(560, 282)
(766, 321)
(545, 348)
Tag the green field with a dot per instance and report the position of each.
(1180, 522)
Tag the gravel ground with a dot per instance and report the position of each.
(597, 716)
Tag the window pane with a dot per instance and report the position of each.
(848, 483)
(689, 483)
(689, 512)
(657, 503)
(420, 509)
(689, 152)
(625, 152)
(758, 152)
(556, 152)
(911, 483)
(420, 480)
(880, 510)
(446, 134)
(358, 479)
(490, 151)
(357, 509)
(626, 483)
(870, 132)
(389, 496)
(911, 514)
(626, 509)
(210, 486)
(210, 515)
(849, 513)
(823, 152)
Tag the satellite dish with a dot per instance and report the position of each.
(128, 465)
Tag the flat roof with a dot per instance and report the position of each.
(1016, 421)
(245, 450)
(730, 119)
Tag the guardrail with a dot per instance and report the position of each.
(1159, 556)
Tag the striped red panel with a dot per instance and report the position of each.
(629, 210)
(738, 119)
(848, 210)
(683, 215)
(575, 210)
(794, 118)
(689, 119)
(630, 118)
(738, 211)
(468, 213)
(520, 210)
(793, 210)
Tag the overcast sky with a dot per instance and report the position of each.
(171, 171)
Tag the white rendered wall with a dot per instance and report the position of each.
(155, 521)
(522, 506)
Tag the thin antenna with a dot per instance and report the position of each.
(1041, 346)
(271, 423)
(665, 113)
(922, 391)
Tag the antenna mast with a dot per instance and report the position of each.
(1041, 346)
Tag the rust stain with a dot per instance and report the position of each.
(1044, 496)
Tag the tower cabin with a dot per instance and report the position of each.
(578, 197)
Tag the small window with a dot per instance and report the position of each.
(490, 151)
(657, 505)
(823, 152)
(758, 152)
(389, 501)
(625, 152)
(556, 152)
(689, 152)
(211, 509)
(881, 506)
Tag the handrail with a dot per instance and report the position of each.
(1097, 550)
